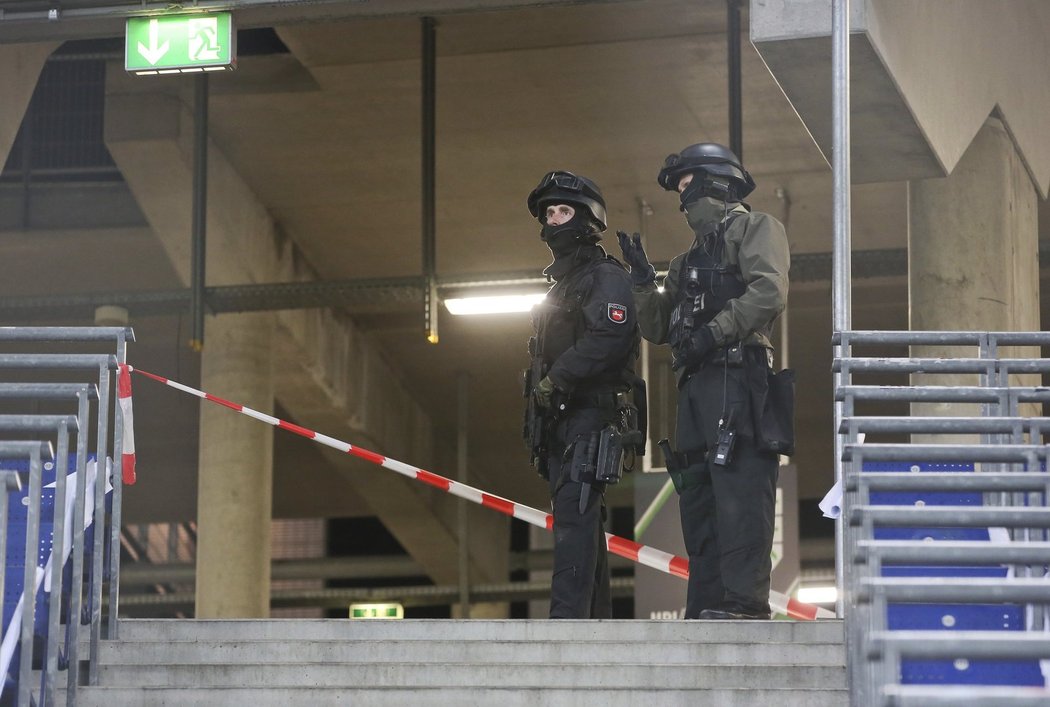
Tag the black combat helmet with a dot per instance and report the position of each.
(708, 158)
(566, 188)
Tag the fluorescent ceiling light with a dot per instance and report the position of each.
(493, 304)
(818, 595)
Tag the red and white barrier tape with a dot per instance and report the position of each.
(636, 552)
(127, 462)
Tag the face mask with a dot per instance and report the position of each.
(565, 238)
(704, 212)
(561, 240)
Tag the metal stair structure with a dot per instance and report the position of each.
(283, 662)
(945, 545)
(45, 464)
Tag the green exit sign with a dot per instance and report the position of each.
(377, 611)
(180, 44)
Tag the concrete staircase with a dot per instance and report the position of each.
(264, 663)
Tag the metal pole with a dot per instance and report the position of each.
(200, 210)
(841, 262)
(736, 130)
(429, 80)
(117, 505)
(98, 522)
(58, 561)
(76, 582)
(25, 660)
(461, 510)
(841, 315)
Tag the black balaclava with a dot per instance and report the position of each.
(566, 238)
(568, 241)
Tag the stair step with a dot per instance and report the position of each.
(213, 651)
(440, 697)
(618, 631)
(451, 675)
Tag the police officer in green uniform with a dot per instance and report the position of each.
(583, 357)
(716, 311)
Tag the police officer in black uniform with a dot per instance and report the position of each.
(583, 357)
(716, 311)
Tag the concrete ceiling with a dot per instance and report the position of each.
(328, 137)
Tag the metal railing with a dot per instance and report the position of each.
(90, 386)
(1009, 456)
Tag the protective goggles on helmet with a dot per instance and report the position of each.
(567, 187)
(562, 180)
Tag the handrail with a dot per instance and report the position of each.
(943, 425)
(67, 334)
(83, 392)
(1011, 477)
(62, 425)
(943, 338)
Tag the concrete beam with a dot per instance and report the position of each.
(104, 18)
(20, 67)
(925, 76)
(329, 375)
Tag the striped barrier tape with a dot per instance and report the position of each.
(127, 463)
(636, 552)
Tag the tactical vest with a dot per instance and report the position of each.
(560, 323)
(705, 286)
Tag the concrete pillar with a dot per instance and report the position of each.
(235, 488)
(20, 66)
(973, 250)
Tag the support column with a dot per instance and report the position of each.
(973, 250)
(20, 66)
(234, 497)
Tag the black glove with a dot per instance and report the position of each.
(642, 271)
(695, 348)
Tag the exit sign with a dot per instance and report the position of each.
(180, 44)
(377, 611)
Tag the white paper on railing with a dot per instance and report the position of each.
(831, 506)
(89, 511)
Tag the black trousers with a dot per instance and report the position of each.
(727, 511)
(580, 583)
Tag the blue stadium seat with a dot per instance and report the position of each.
(949, 617)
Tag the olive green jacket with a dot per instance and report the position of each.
(757, 243)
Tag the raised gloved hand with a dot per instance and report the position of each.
(543, 392)
(695, 348)
(642, 271)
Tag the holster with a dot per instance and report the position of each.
(773, 409)
(678, 468)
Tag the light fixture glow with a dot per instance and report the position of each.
(493, 304)
(818, 595)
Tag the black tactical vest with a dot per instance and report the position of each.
(705, 286)
(560, 323)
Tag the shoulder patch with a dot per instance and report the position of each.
(617, 313)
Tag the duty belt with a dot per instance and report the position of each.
(731, 356)
(605, 401)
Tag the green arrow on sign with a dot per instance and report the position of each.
(172, 44)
